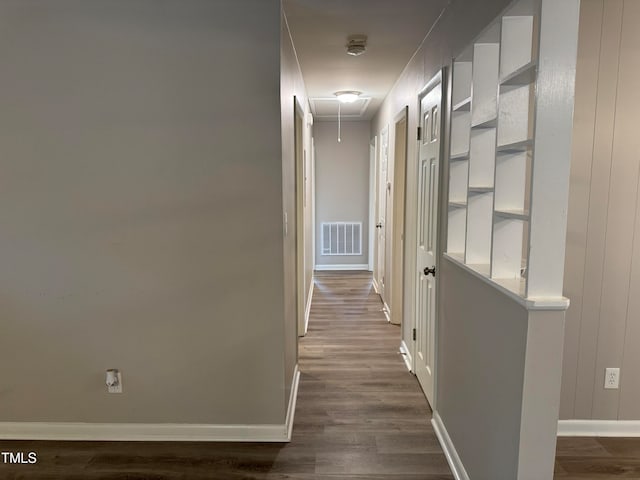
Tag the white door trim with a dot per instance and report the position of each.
(299, 121)
(372, 199)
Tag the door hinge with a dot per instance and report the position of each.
(419, 133)
(414, 334)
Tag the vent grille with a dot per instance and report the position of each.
(342, 238)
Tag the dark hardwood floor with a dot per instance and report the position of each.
(360, 415)
(587, 458)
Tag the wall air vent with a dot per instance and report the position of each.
(342, 238)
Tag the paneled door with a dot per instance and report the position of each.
(427, 234)
(381, 224)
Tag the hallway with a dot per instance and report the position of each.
(358, 408)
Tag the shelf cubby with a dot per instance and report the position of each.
(517, 46)
(482, 155)
(458, 181)
(509, 250)
(461, 88)
(512, 178)
(479, 223)
(484, 99)
(460, 132)
(457, 225)
(515, 114)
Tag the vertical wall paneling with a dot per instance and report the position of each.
(598, 206)
(578, 214)
(619, 233)
(603, 252)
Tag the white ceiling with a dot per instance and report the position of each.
(395, 29)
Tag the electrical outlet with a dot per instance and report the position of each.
(612, 378)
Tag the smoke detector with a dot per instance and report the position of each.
(356, 45)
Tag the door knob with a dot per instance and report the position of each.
(379, 225)
(430, 271)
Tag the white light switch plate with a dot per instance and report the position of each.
(116, 388)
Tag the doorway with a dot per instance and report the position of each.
(398, 216)
(300, 195)
(427, 234)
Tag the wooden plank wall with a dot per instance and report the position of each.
(602, 269)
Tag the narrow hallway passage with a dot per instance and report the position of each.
(358, 408)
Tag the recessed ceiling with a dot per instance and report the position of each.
(395, 29)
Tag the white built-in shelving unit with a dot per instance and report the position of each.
(497, 95)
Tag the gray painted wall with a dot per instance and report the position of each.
(603, 253)
(137, 215)
(291, 87)
(483, 376)
(342, 183)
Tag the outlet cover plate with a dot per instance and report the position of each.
(612, 378)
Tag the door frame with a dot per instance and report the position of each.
(299, 193)
(372, 202)
(443, 187)
(398, 217)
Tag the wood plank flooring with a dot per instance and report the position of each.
(587, 458)
(360, 416)
(356, 396)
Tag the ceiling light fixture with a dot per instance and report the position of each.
(347, 96)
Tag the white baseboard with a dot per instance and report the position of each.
(457, 468)
(599, 428)
(170, 432)
(293, 398)
(386, 310)
(406, 355)
(375, 286)
(343, 266)
(143, 432)
(307, 309)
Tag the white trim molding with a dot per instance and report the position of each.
(386, 310)
(143, 432)
(599, 428)
(307, 309)
(457, 468)
(293, 398)
(170, 432)
(343, 266)
(406, 355)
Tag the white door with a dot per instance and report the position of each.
(381, 223)
(428, 167)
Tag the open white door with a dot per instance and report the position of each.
(427, 235)
(381, 224)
